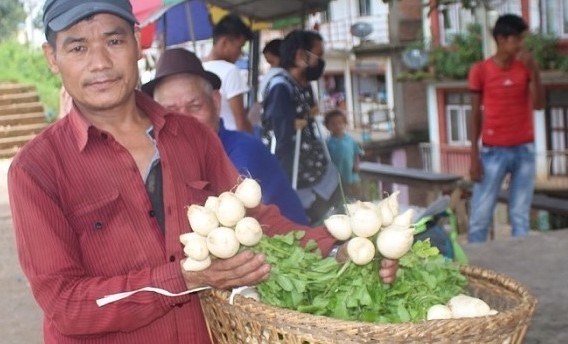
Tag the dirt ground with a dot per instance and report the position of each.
(539, 261)
(20, 317)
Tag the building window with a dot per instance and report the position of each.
(326, 15)
(555, 17)
(454, 20)
(365, 8)
(458, 109)
(557, 127)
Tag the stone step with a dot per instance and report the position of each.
(10, 145)
(7, 153)
(17, 98)
(21, 119)
(11, 88)
(21, 130)
(16, 109)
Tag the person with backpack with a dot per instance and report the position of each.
(289, 110)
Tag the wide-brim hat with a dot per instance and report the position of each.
(179, 61)
(61, 14)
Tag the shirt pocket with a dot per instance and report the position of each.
(106, 234)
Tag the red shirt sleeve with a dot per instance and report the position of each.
(475, 78)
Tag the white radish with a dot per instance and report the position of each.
(249, 292)
(196, 265)
(385, 213)
(201, 219)
(394, 241)
(360, 250)
(439, 312)
(339, 226)
(222, 242)
(212, 203)
(365, 221)
(392, 201)
(464, 306)
(404, 219)
(248, 231)
(196, 247)
(248, 191)
(185, 237)
(230, 209)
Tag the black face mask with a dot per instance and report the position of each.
(314, 72)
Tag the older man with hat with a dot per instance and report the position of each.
(99, 198)
(181, 84)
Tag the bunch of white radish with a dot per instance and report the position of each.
(221, 226)
(364, 220)
(460, 306)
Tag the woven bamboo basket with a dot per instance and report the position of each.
(248, 321)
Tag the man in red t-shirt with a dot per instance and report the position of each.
(505, 89)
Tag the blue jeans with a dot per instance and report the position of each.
(497, 162)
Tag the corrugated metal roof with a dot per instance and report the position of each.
(266, 10)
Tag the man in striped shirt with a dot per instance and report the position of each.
(99, 198)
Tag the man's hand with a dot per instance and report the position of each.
(388, 269)
(245, 268)
(300, 123)
(528, 60)
(476, 170)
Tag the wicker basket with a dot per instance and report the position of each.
(248, 321)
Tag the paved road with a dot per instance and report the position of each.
(540, 262)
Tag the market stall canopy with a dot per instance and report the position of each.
(269, 10)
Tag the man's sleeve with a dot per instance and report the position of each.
(475, 78)
(234, 84)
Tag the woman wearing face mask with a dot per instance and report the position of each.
(288, 109)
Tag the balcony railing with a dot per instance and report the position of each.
(455, 160)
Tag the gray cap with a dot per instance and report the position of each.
(60, 14)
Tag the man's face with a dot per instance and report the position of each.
(96, 59)
(233, 48)
(184, 93)
(273, 60)
(512, 44)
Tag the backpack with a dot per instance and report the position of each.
(313, 158)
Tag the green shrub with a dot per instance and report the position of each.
(28, 66)
(454, 61)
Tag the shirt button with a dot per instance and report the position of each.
(104, 136)
(152, 213)
(172, 258)
(179, 305)
(98, 225)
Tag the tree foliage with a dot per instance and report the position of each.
(11, 14)
(27, 65)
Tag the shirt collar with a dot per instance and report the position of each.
(81, 127)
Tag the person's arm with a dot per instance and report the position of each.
(476, 169)
(535, 86)
(475, 83)
(238, 109)
(279, 108)
(356, 156)
(234, 88)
